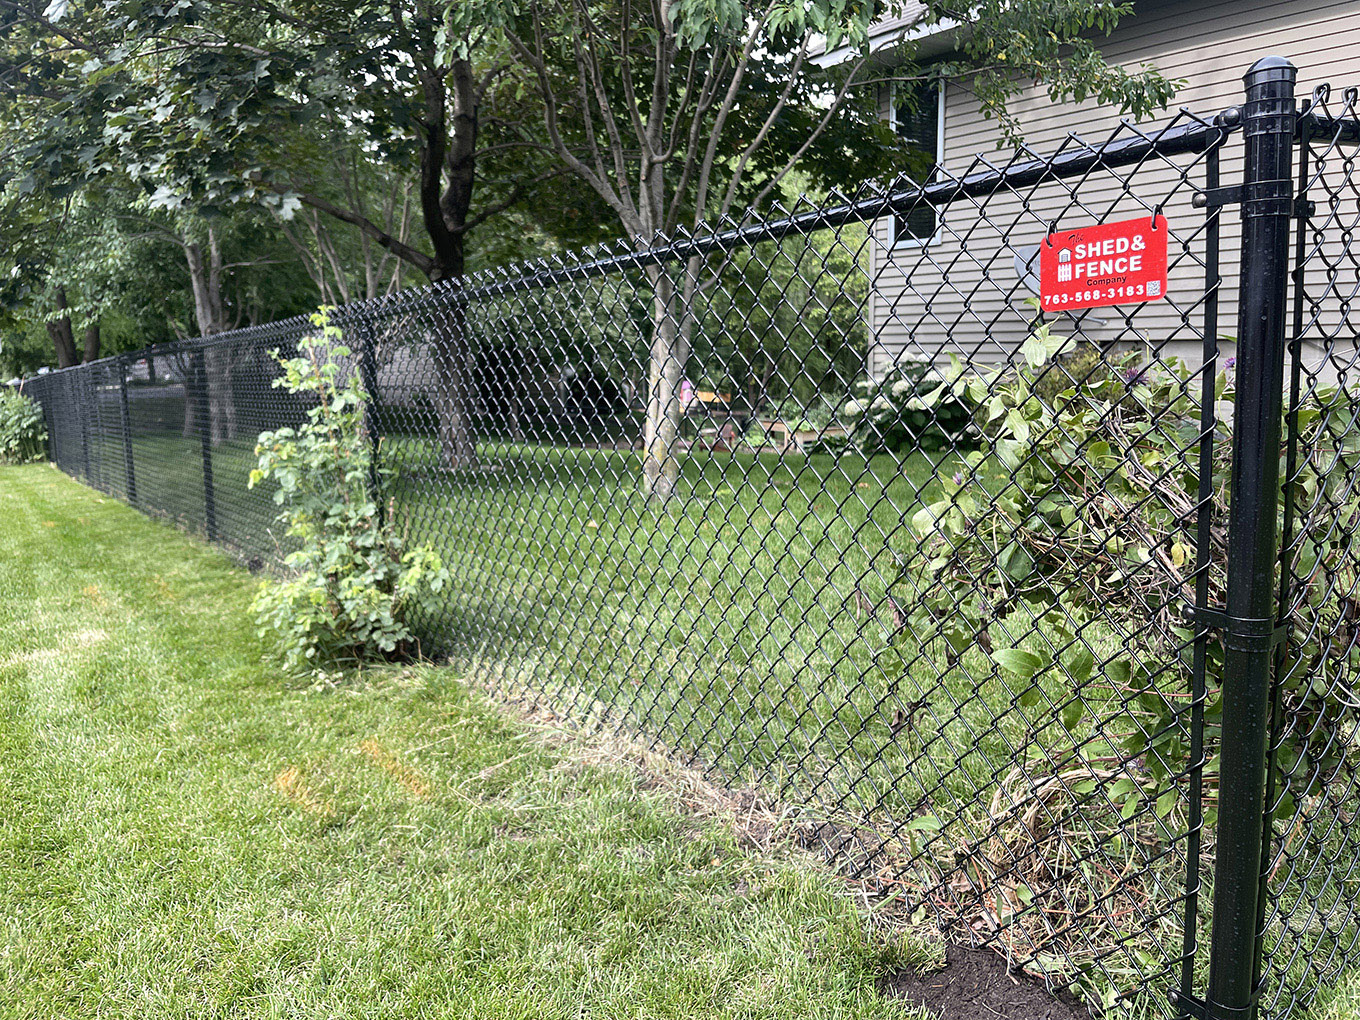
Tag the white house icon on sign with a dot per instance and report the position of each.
(1065, 265)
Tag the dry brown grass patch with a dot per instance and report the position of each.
(406, 775)
(293, 786)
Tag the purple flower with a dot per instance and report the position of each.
(958, 478)
(1231, 363)
(1133, 374)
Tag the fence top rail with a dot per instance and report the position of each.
(1126, 145)
(1024, 170)
(1315, 125)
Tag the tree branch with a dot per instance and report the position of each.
(403, 251)
(516, 193)
(599, 182)
(744, 159)
(813, 135)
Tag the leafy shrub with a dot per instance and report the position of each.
(911, 407)
(23, 434)
(1081, 363)
(1093, 528)
(354, 584)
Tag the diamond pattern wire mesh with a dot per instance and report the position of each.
(923, 567)
(1312, 928)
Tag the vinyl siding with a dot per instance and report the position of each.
(960, 293)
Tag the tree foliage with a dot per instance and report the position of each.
(384, 133)
(682, 113)
(104, 271)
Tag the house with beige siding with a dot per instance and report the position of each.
(954, 279)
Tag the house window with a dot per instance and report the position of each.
(917, 111)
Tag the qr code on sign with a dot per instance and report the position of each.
(1154, 288)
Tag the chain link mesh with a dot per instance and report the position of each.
(1313, 867)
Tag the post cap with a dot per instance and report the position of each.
(1271, 68)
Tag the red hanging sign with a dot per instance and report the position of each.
(1107, 264)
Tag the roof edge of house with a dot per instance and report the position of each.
(891, 33)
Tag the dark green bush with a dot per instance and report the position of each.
(1084, 366)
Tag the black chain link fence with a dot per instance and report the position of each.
(841, 511)
(1312, 871)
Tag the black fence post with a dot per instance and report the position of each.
(199, 373)
(1268, 121)
(368, 375)
(79, 378)
(125, 423)
(49, 401)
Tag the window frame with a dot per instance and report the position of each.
(911, 241)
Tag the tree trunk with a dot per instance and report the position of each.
(205, 276)
(450, 351)
(672, 326)
(184, 366)
(92, 341)
(218, 363)
(448, 166)
(59, 330)
(669, 354)
(457, 446)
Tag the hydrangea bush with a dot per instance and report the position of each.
(1076, 517)
(912, 407)
(23, 433)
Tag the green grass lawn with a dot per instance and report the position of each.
(185, 832)
(732, 623)
(747, 621)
